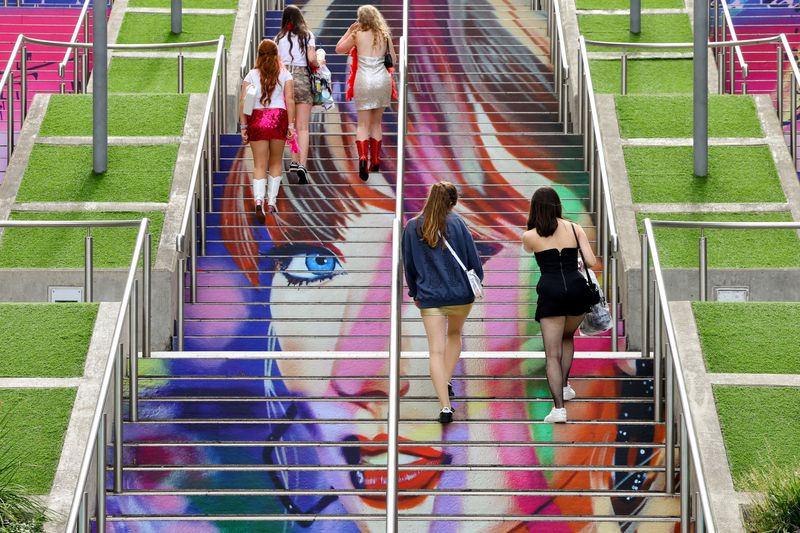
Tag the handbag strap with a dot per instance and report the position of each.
(455, 255)
(585, 266)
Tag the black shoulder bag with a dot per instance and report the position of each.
(387, 59)
(593, 295)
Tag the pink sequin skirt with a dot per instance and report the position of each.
(268, 124)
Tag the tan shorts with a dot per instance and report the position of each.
(302, 85)
(447, 310)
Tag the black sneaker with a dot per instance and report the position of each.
(293, 166)
(450, 389)
(302, 174)
(446, 415)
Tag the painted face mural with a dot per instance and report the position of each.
(316, 278)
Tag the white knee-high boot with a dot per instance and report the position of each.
(259, 189)
(274, 187)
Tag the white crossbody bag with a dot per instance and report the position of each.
(472, 277)
(249, 100)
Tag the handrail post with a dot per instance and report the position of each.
(793, 111)
(224, 90)
(83, 514)
(147, 273)
(134, 351)
(779, 84)
(76, 81)
(614, 304)
(721, 60)
(10, 121)
(732, 69)
(193, 248)
(88, 267)
(565, 99)
(181, 285)
(669, 429)
(118, 420)
(85, 69)
(624, 69)
(703, 267)
(686, 483)
(23, 85)
(180, 71)
(645, 296)
(657, 355)
(100, 475)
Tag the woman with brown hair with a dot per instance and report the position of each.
(563, 291)
(372, 89)
(269, 125)
(438, 284)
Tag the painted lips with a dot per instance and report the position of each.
(375, 454)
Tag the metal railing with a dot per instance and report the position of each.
(396, 316)
(7, 81)
(89, 500)
(80, 60)
(721, 32)
(783, 52)
(200, 196)
(666, 353)
(558, 56)
(256, 25)
(588, 122)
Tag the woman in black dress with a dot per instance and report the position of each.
(563, 291)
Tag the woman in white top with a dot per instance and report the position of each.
(270, 124)
(297, 49)
(371, 38)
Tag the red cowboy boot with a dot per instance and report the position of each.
(375, 150)
(363, 152)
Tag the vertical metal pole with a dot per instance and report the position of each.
(657, 354)
(203, 190)
(83, 514)
(180, 72)
(793, 111)
(579, 107)
(636, 17)
(193, 248)
(88, 267)
(224, 78)
(624, 85)
(716, 23)
(76, 72)
(703, 267)
(779, 84)
(147, 270)
(84, 70)
(686, 512)
(587, 133)
(100, 474)
(614, 304)
(645, 298)
(133, 315)
(732, 70)
(565, 99)
(700, 524)
(700, 64)
(669, 441)
(23, 85)
(100, 91)
(118, 419)
(176, 17)
(10, 121)
(181, 296)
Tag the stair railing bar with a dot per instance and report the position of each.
(83, 20)
(7, 81)
(600, 193)
(657, 356)
(133, 354)
(794, 86)
(737, 50)
(88, 266)
(250, 44)
(559, 59)
(396, 316)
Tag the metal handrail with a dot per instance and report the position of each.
(96, 448)
(711, 44)
(206, 161)
(594, 153)
(396, 316)
(558, 58)
(737, 49)
(248, 52)
(82, 20)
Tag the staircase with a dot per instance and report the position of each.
(276, 417)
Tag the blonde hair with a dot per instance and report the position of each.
(369, 18)
(442, 197)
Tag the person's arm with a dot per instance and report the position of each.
(473, 261)
(348, 40)
(586, 248)
(394, 54)
(408, 262)
(526, 242)
(242, 116)
(311, 52)
(288, 91)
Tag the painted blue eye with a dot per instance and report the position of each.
(302, 264)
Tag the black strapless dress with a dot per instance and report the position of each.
(561, 289)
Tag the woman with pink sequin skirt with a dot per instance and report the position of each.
(269, 125)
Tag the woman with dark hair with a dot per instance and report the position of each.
(297, 48)
(562, 290)
(269, 125)
(438, 284)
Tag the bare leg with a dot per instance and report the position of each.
(302, 119)
(260, 158)
(364, 124)
(276, 157)
(435, 330)
(553, 333)
(376, 126)
(452, 349)
(568, 345)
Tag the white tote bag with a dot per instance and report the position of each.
(472, 277)
(249, 100)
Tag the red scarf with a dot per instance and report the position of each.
(351, 81)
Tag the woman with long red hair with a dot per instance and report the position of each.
(270, 124)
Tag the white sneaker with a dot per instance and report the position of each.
(568, 393)
(557, 416)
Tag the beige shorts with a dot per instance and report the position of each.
(447, 310)
(302, 85)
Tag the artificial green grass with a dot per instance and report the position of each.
(63, 173)
(128, 115)
(671, 116)
(158, 75)
(64, 247)
(727, 248)
(139, 28)
(620, 4)
(749, 337)
(760, 425)
(673, 28)
(34, 430)
(645, 76)
(190, 4)
(45, 340)
(665, 174)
